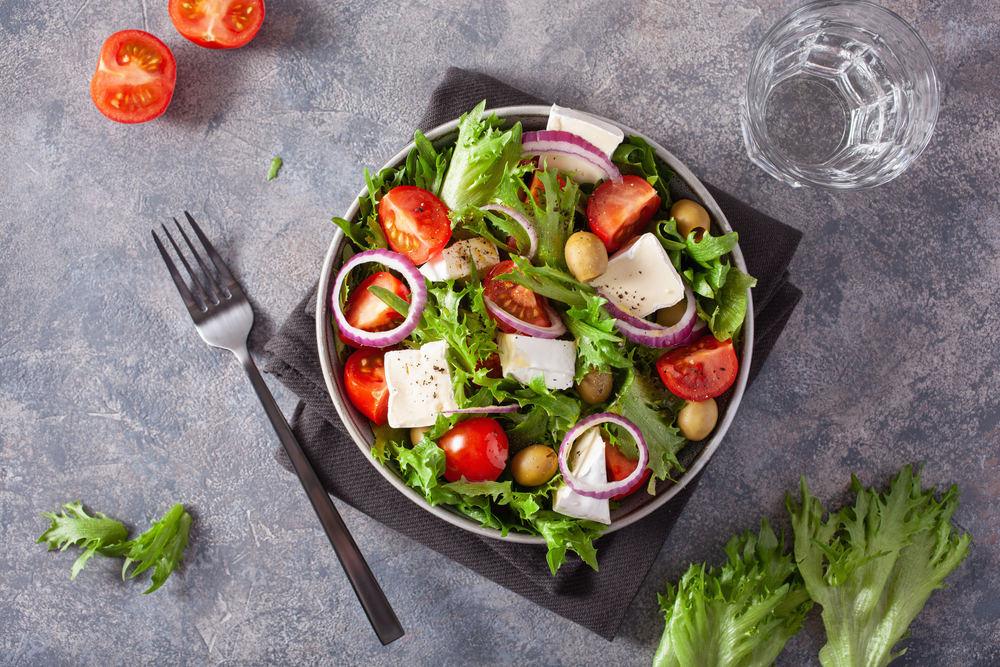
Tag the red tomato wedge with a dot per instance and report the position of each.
(366, 311)
(619, 467)
(475, 449)
(415, 222)
(135, 77)
(700, 371)
(217, 24)
(364, 380)
(617, 211)
(515, 299)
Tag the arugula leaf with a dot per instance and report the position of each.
(482, 155)
(726, 312)
(272, 173)
(873, 565)
(161, 547)
(637, 157)
(739, 615)
(74, 526)
(553, 211)
(425, 167)
(643, 402)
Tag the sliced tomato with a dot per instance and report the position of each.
(415, 222)
(515, 299)
(367, 312)
(217, 24)
(619, 467)
(135, 77)
(699, 371)
(364, 379)
(475, 449)
(617, 211)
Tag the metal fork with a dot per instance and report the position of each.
(223, 317)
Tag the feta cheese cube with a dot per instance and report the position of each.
(640, 278)
(453, 262)
(524, 357)
(603, 135)
(419, 385)
(586, 461)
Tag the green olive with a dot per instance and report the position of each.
(595, 387)
(690, 216)
(534, 465)
(697, 419)
(586, 256)
(671, 315)
(417, 434)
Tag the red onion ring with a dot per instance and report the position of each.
(521, 220)
(696, 332)
(609, 489)
(418, 299)
(489, 409)
(567, 143)
(554, 330)
(651, 334)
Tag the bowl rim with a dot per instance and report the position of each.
(353, 420)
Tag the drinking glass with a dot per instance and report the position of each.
(841, 95)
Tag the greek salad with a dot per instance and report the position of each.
(532, 325)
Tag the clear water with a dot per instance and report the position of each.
(806, 119)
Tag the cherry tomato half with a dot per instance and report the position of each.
(475, 449)
(515, 299)
(367, 312)
(364, 379)
(217, 24)
(135, 77)
(619, 467)
(415, 222)
(617, 211)
(700, 371)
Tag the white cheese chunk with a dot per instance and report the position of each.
(586, 461)
(524, 357)
(453, 262)
(640, 278)
(419, 385)
(603, 135)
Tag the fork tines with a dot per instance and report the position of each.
(216, 290)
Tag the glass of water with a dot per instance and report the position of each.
(841, 95)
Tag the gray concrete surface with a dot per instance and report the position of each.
(108, 395)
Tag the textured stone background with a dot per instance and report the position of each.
(108, 395)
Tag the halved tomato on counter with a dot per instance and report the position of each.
(135, 77)
(364, 380)
(217, 24)
(618, 211)
(366, 311)
(415, 222)
(699, 371)
(514, 299)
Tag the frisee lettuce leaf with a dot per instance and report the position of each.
(643, 401)
(739, 615)
(873, 565)
(74, 526)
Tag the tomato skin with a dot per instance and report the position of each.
(699, 371)
(217, 24)
(619, 467)
(515, 299)
(364, 380)
(616, 212)
(366, 311)
(135, 77)
(415, 222)
(475, 449)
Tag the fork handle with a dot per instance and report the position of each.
(373, 600)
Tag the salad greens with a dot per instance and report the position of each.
(272, 172)
(160, 547)
(483, 165)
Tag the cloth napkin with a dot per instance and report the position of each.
(595, 600)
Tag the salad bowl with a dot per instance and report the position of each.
(693, 457)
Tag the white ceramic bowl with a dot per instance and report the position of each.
(634, 507)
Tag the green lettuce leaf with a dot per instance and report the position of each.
(161, 547)
(873, 565)
(646, 403)
(739, 615)
(74, 526)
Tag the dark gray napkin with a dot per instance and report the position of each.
(595, 600)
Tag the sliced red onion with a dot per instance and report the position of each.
(489, 409)
(696, 332)
(521, 220)
(651, 334)
(567, 143)
(609, 489)
(418, 299)
(554, 330)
